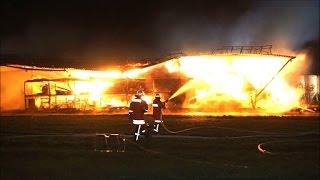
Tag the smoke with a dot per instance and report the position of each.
(311, 49)
(292, 27)
(287, 25)
(111, 32)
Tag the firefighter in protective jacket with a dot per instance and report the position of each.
(136, 113)
(157, 105)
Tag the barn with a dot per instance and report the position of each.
(232, 79)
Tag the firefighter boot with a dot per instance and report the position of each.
(156, 128)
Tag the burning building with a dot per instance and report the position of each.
(232, 79)
(68, 89)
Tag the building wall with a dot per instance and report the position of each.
(12, 85)
(310, 84)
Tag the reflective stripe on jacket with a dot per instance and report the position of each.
(158, 105)
(137, 108)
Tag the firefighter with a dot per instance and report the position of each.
(157, 106)
(136, 113)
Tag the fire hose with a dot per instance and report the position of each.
(264, 151)
(180, 131)
(218, 127)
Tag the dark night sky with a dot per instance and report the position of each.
(109, 32)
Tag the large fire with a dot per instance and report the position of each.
(215, 83)
(84, 90)
(234, 82)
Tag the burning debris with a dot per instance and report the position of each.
(237, 79)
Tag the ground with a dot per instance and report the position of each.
(207, 147)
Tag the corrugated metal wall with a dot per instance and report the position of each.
(311, 88)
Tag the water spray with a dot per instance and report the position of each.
(184, 88)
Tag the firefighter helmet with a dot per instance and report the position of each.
(157, 95)
(139, 93)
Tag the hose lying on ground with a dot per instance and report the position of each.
(217, 127)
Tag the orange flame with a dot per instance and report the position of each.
(235, 81)
(218, 83)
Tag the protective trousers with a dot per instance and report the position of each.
(139, 128)
(157, 123)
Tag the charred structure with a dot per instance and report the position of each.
(230, 79)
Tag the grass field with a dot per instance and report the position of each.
(62, 147)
